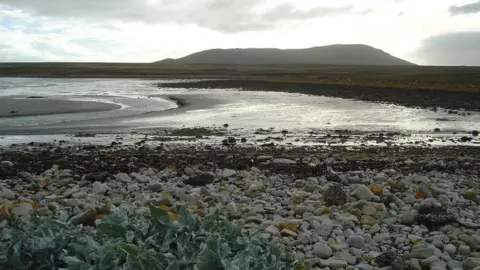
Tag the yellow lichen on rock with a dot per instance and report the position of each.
(469, 195)
(289, 226)
(377, 190)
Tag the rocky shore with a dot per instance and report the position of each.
(410, 97)
(331, 207)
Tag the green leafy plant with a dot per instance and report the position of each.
(128, 242)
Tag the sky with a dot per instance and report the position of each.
(426, 32)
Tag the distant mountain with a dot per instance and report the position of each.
(338, 54)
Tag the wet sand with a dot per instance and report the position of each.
(30, 107)
(116, 124)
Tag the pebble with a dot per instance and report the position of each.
(345, 256)
(123, 177)
(228, 173)
(334, 263)
(271, 230)
(471, 263)
(6, 193)
(322, 251)
(408, 218)
(133, 187)
(6, 163)
(287, 232)
(189, 171)
(99, 188)
(342, 235)
(450, 249)
(79, 195)
(422, 252)
(363, 193)
(283, 161)
(356, 241)
(324, 229)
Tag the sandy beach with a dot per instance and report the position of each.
(43, 106)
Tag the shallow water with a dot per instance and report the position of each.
(243, 110)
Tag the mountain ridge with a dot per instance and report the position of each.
(335, 54)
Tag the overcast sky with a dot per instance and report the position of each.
(435, 32)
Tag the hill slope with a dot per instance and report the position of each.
(327, 55)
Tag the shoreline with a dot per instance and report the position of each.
(423, 98)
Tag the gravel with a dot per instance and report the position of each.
(281, 195)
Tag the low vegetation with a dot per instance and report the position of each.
(162, 240)
(411, 77)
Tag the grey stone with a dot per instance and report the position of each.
(6, 193)
(325, 229)
(322, 251)
(228, 173)
(464, 249)
(429, 261)
(283, 161)
(123, 177)
(438, 268)
(333, 263)
(450, 249)
(231, 207)
(471, 263)
(286, 232)
(454, 264)
(255, 170)
(380, 177)
(408, 218)
(298, 256)
(6, 163)
(356, 241)
(409, 199)
(272, 230)
(189, 171)
(256, 220)
(369, 211)
(99, 188)
(132, 187)
(374, 229)
(264, 158)
(79, 195)
(345, 256)
(300, 209)
(141, 178)
(363, 193)
(300, 183)
(422, 252)
(156, 187)
(380, 237)
(364, 266)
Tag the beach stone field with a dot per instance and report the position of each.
(329, 207)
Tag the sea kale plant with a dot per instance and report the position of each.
(151, 242)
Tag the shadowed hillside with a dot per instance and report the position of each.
(325, 55)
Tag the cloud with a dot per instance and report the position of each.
(460, 48)
(465, 9)
(222, 15)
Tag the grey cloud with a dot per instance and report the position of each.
(460, 48)
(465, 9)
(221, 15)
(288, 11)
